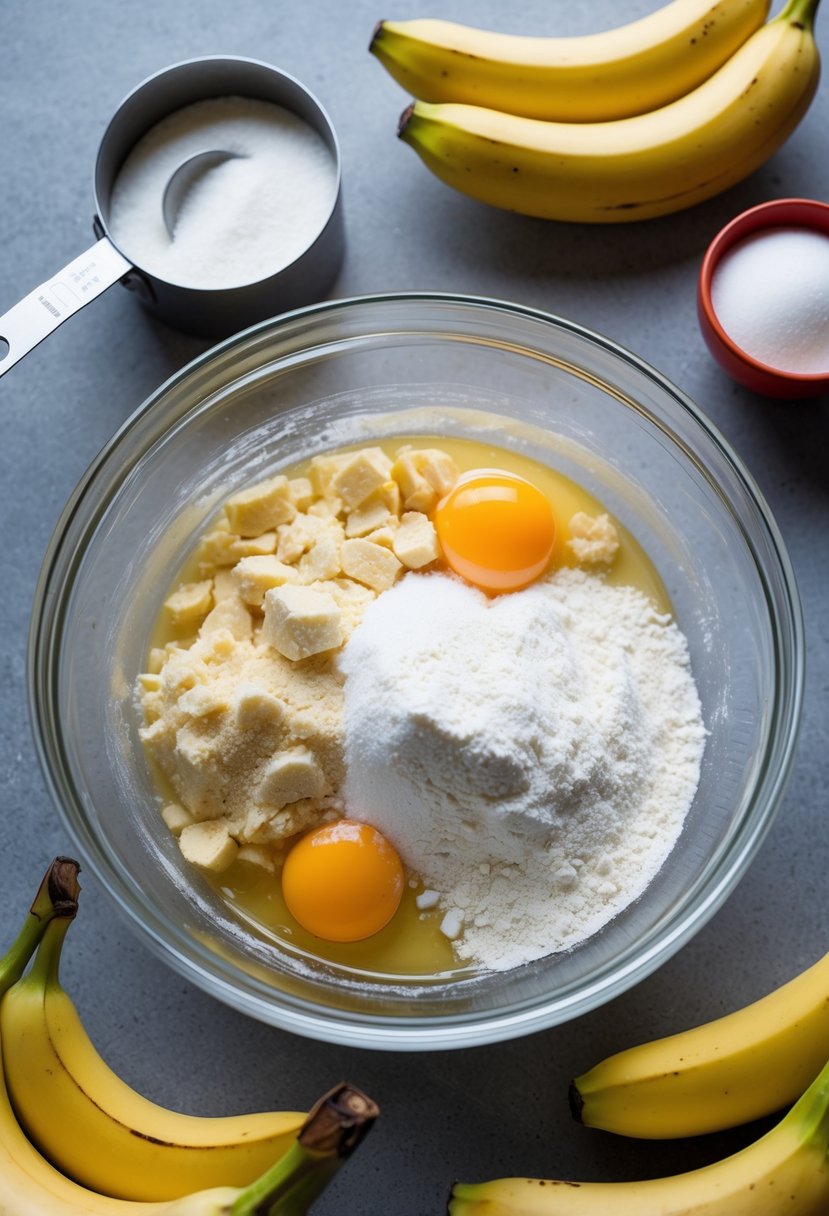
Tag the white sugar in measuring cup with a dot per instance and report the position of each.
(213, 312)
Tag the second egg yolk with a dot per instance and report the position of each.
(343, 881)
(496, 530)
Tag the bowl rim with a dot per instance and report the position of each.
(379, 1031)
(791, 212)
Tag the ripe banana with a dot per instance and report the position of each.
(31, 1186)
(785, 1171)
(593, 78)
(750, 1063)
(67, 1098)
(635, 168)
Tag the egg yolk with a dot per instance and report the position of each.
(342, 881)
(496, 530)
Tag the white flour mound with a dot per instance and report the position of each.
(532, 757)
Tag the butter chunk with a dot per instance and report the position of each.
(256, 707)
(261, 508)
(297, 537)
(223, 585)
(290, 776)
(218, 644)
(251, 546)
(351, 598)
(424, 475)
(204, 701)
(215, 547)
(326, 508)
(208, 844)
(593, 539)
(265, 826)
(379, 509)
(383, 536)
(301, 492)
(374, 565)
(322, 472)
(438, 468)
(231, 614)
(322, 561)
(416, 541)
(300, 621)
(176, 817)
(190, 602)
(360, 474)
(159, 737)
(257, 855)
(254, 576)
(157, 659)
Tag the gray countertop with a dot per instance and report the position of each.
(475, 1113)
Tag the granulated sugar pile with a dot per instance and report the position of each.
(532, 757)
(771, 295)
(240, 221)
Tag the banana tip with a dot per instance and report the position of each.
(576, 1102)
(63, 886)
(375, 34)
(404, 120)
(339, 1121)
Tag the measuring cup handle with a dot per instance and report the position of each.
(48, 306)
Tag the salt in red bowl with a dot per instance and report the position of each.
(742, 367)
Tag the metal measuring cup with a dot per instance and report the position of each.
(212, 312)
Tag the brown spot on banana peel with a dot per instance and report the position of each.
(648, 202)
(552, 1182)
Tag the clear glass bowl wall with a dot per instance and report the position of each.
(352, 372)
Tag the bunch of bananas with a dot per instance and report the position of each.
(633, 123)
(75, 1140)
(726, 1072)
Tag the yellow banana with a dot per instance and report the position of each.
(785, 1171)
(591, 78)
(750, 1063)
(635, 168)
(32, 1186)
(67, 1098)
(29, 1185)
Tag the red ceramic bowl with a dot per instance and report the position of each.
(759, 377)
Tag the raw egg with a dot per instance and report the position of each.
(343, 881)
(496, 530)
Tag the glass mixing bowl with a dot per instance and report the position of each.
(353, 372)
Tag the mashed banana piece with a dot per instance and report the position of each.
(593, 539)
(245, 721)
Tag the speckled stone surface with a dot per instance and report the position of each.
(476, 1113)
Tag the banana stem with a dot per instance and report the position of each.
(811, 1111)
(335, 1127)
(801, 11)
(56, 898)
(45, 969)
